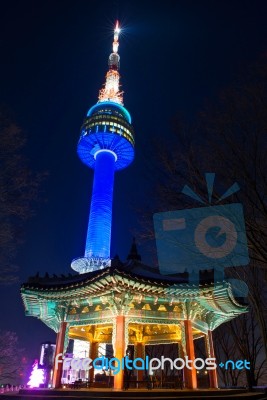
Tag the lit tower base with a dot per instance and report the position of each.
(106, 144)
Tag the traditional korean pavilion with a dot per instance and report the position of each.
(123, 303)
(130, 303)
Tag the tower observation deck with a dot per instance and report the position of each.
(106, 144)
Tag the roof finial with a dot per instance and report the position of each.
(133, 255)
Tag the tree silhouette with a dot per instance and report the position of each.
(18, 190)
(10, 358)
(228, 138)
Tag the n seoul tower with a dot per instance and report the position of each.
(106, 144)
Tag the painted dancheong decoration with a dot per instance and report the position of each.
(106, 144)
(196, 239)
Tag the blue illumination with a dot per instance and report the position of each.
(107, 126)
(102, 105)
(90, 143)
(106, 144)
(100, 219)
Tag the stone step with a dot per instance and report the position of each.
(157, 394)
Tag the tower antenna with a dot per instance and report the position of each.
(111, 90)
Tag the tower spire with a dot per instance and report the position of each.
(110, 91)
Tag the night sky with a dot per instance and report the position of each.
(174, 56)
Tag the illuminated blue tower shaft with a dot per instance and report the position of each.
(100, 219)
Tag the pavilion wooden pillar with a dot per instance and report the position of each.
(139, 353)
(210, 353)
(58, 366)
(93, 355)
(181, 374)
(119, 349)
(190, 374)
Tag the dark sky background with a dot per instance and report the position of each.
(174, 56)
